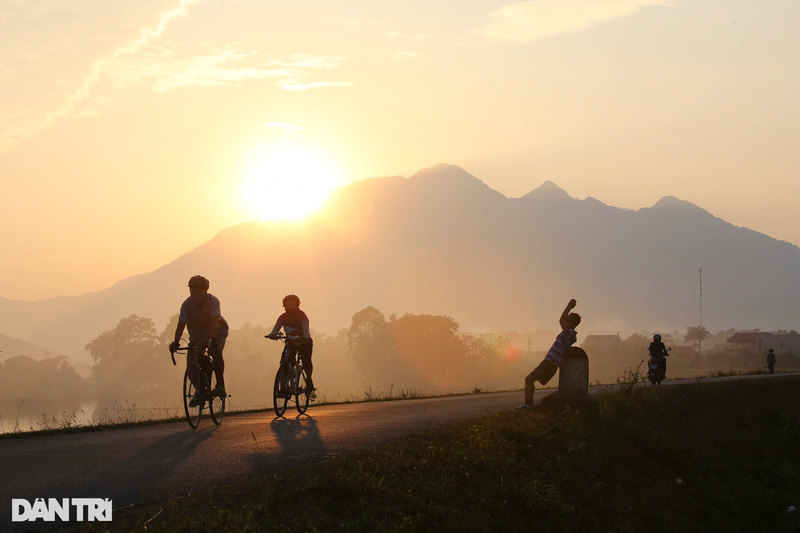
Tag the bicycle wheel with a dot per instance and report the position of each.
(280, 394)
(189, 391)
(301, 392)
(216, 404)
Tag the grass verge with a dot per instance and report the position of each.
(128, 417)
(719, 457)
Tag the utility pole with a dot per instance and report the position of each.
(700, 331)
(529, 344)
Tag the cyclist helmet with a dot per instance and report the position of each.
(657, 337)
(291, 297)
(199, 282)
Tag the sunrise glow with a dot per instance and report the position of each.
(288, 182)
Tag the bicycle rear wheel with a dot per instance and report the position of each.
(280, 392)
(216, 404)
(189, 392)
(301, 392)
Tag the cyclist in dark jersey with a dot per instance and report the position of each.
(295, 322)
(200, 312)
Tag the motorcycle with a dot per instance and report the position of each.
(657, 369)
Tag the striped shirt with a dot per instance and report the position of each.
(564, 340)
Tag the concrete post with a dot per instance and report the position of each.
(573, 385)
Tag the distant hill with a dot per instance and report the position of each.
(11, 347)
(443, 242)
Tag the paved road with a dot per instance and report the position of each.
(141, 464)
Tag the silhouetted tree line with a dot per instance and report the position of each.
(23, 377)
(425, 350)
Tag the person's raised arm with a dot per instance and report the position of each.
(563, 320)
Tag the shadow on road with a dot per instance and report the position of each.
(138, 476)
(298, 436)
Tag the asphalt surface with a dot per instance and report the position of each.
(137, 465)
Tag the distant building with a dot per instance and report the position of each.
(601, 342)
(762, 341)
(683, 352)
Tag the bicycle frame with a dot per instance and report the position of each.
(288, 378)
(197, 377)
(198, 358)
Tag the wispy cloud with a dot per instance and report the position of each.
(288, 127)
(314, 85)
(167, 72)
(413, 37)
(538, 19)
(229, 66)
(23, 119)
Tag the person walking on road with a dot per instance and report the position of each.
(552, 361)
(771, 361)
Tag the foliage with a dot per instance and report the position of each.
(636, 342)
(130, 355)
(22, 377)
(424, 350)
(370, 345)
(696, 335)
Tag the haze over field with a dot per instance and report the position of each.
(442, 242)
(131, 133)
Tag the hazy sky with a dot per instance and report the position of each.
(132, 131)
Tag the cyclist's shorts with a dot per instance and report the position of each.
(303, 350)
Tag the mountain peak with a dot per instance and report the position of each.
(549, 191)
(443, 171)
(449, 178)
(676, 205)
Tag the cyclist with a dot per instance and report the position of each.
(201, 313)
(295, 322)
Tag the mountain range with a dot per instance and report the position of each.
(443, 242)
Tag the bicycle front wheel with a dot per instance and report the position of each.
(189, 393)
(280, 392)
(301, 392)
(217, 403)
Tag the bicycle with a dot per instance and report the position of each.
(290, 380)
(199, 382)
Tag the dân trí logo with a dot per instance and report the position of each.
(66, 509)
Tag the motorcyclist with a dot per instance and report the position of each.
(658, 354)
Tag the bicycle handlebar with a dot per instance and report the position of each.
(172, 354)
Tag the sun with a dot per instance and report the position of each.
(288, 182)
